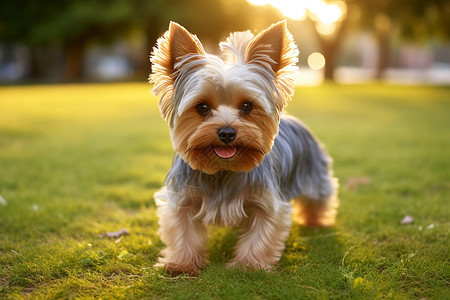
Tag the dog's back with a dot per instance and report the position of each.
(305, 173)
(302, 161)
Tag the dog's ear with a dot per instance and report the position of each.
(275, 48)
(167, 58)
(276, 43)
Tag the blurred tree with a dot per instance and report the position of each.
(210, 20)
(70, 24)
(413, 20)
(330, 45)
(331, 19)
(73, 24)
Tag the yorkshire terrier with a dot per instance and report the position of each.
(238, 161)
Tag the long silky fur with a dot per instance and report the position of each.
(293, 165)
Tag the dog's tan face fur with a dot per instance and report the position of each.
(195, 137)
(224, 113)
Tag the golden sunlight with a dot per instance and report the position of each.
(318, 10)
(292, 9)
(259, 2)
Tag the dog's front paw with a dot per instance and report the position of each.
(175, 269)
(178, 267)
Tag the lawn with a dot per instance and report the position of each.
(78, 161)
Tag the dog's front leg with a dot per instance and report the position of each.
(264, 234)
(185, 238)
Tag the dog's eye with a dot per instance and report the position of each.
(246, 107)
(203, 109)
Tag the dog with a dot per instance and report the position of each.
(239, 161)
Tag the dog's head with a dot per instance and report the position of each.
(224, 112)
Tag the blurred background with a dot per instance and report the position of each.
(398, 41)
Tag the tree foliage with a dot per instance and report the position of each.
(36, 23)
(416, 20)
(73, 24)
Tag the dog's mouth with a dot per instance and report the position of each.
(225, 152)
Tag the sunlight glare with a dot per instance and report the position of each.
(292, 9)
(326, 13)
(259, 2)
(331, 14)
(318, 10)
(316, 7)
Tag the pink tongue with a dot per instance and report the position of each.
(225, 152)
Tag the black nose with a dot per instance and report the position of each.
(226, 134)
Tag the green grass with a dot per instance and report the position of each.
(77, 161)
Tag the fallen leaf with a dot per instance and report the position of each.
(407, 220)
(115, 234)
(353, 182)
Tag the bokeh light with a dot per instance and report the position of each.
(325, 28)
(316, 61)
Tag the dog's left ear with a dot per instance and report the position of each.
(275, 48)
(167, 58)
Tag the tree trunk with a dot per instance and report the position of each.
(328, 50)
(382, 30)
(383, 55)
(73, 69)
(35, 67)
(329, 47)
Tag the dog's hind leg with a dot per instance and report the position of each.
(315, 212)
(316, 206)
(311, 182)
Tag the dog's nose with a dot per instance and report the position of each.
(226, 134)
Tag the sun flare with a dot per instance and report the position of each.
(318, 10)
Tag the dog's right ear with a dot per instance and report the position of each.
(176, 47)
